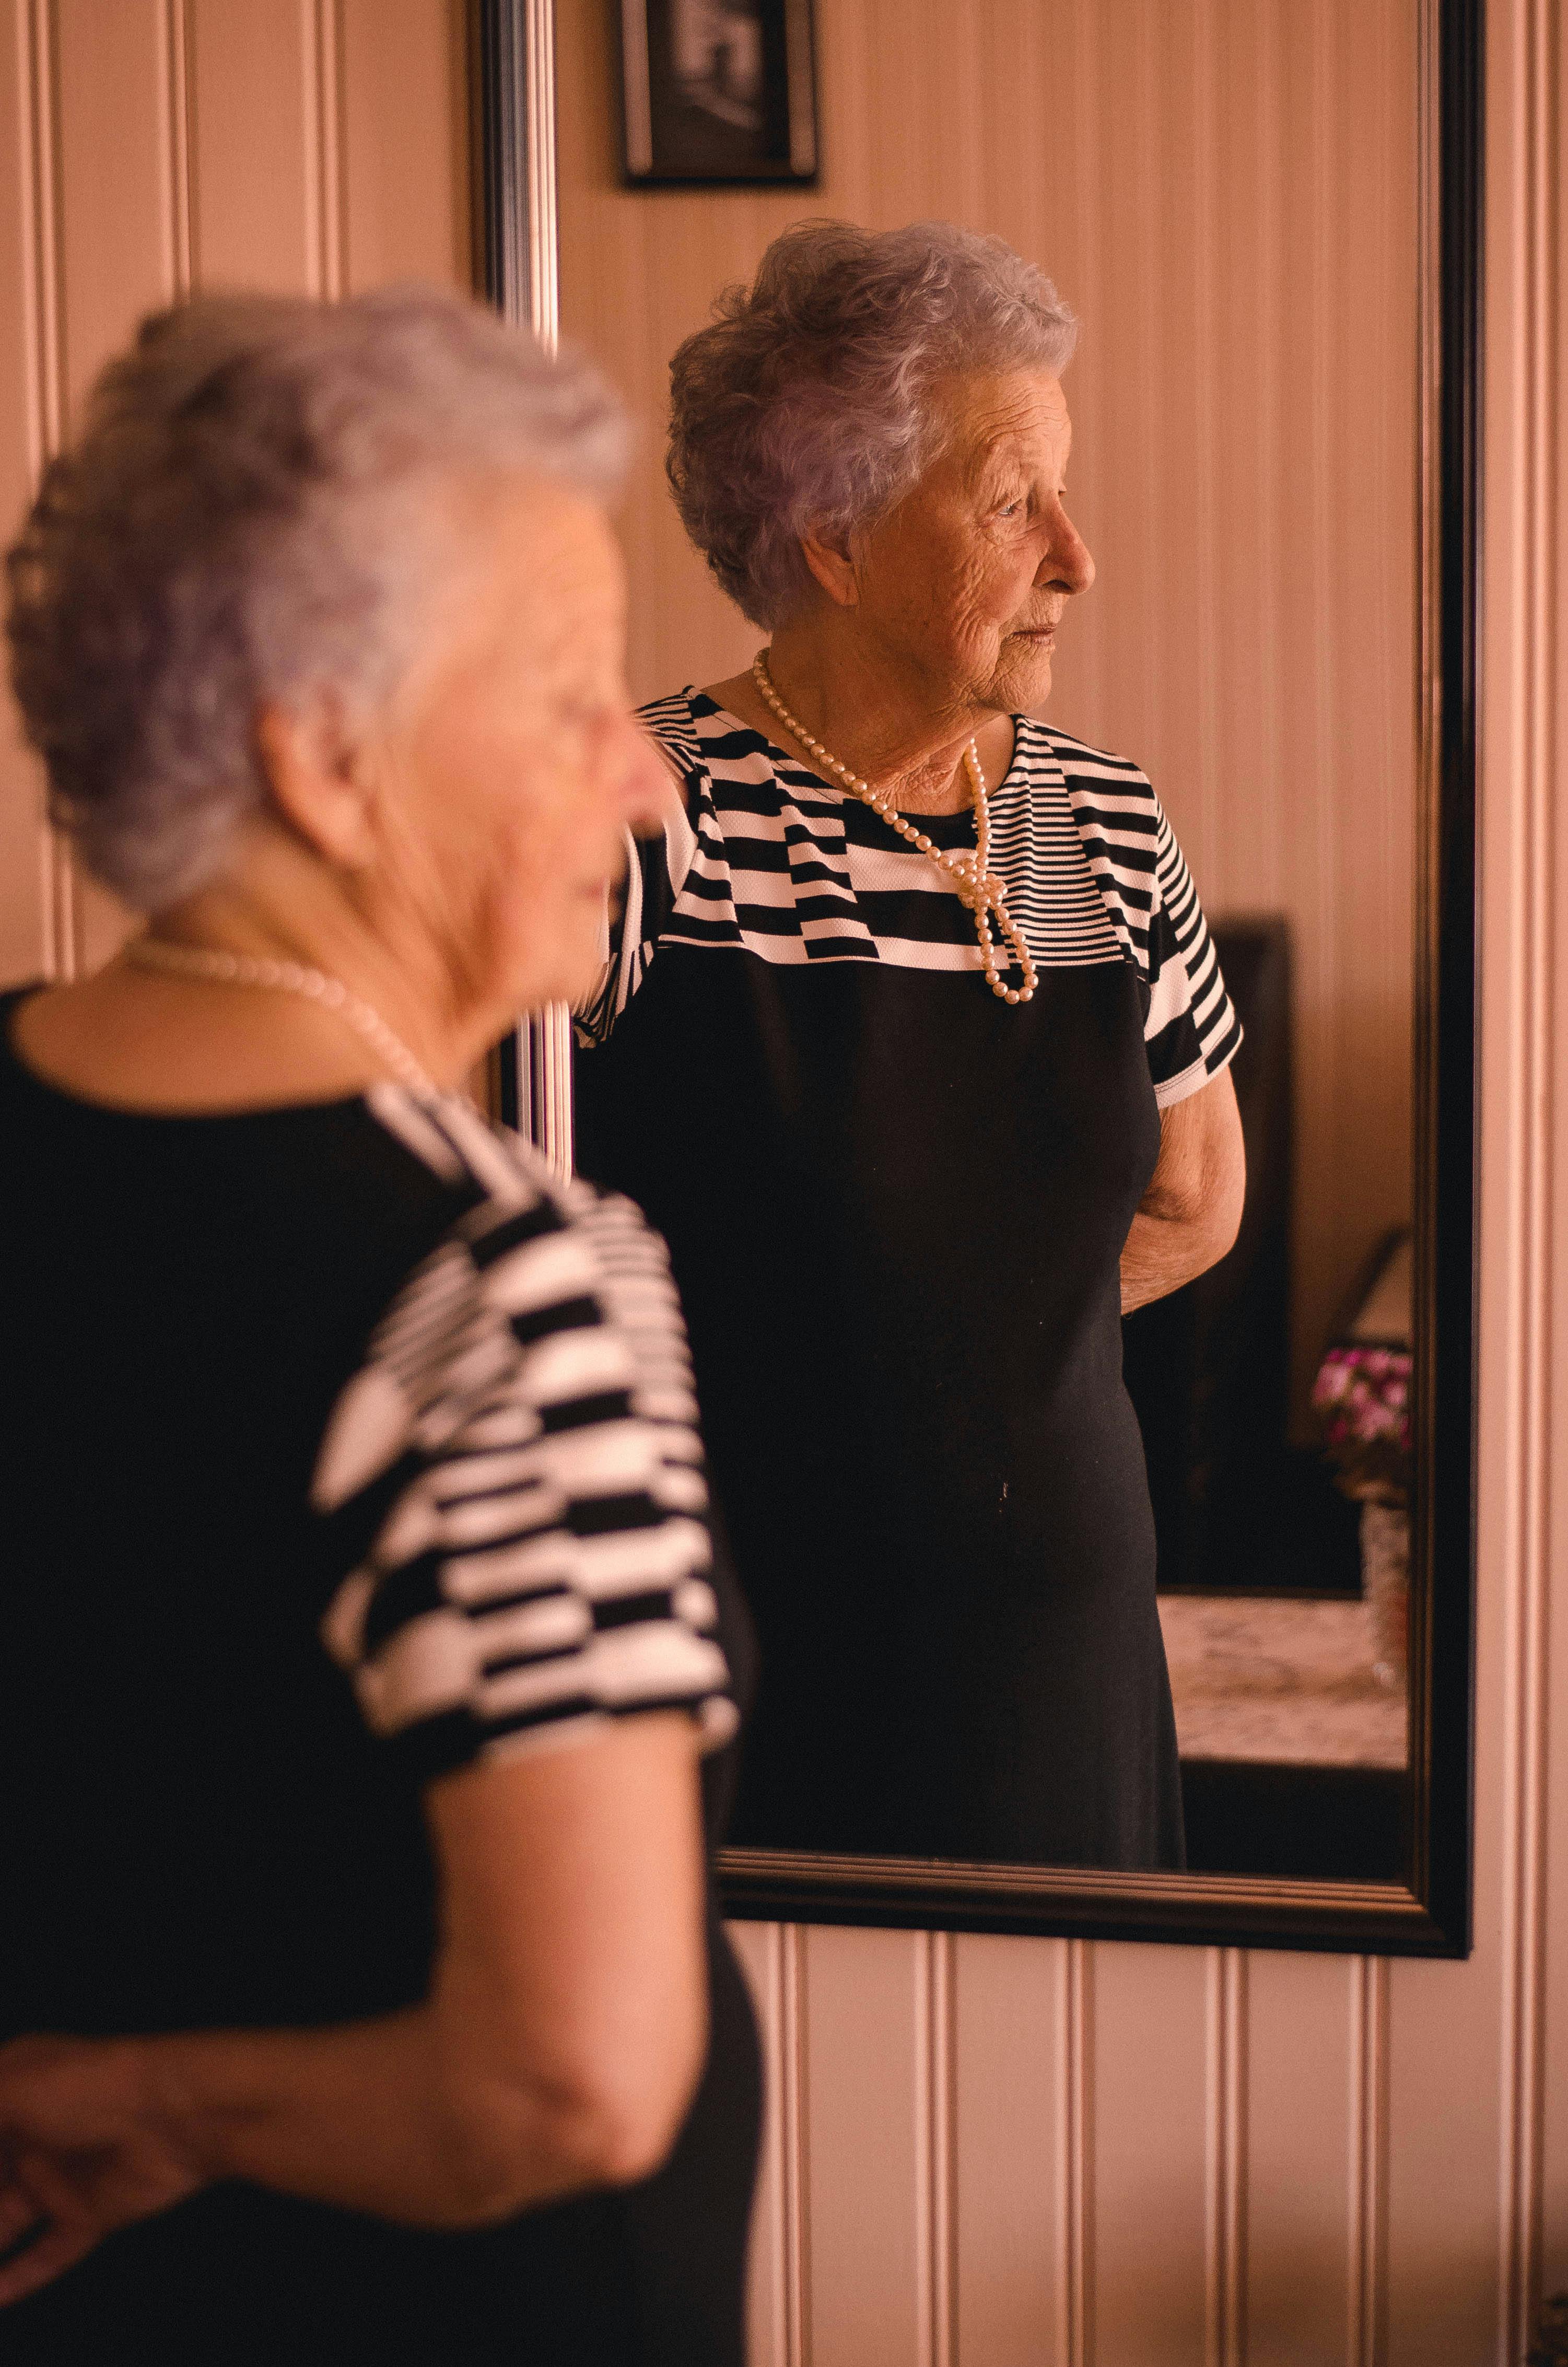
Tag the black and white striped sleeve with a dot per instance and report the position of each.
(524, 1429)
(656, 869)
(1191, 1029)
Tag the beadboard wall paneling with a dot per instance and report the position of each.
(250, 98)
(870, 2113)
(151, 146)
(404, 99)
(1309, 2177)
(1021, 2198)
(1156, 2098)
(1225, 191)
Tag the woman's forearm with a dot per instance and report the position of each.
(1189, 1217)
(366, 2116)
(1161, 1253)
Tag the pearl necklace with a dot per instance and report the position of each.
(285, 977)
(982, 890)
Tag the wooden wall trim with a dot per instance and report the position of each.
(320, 50)
(37, 140)
(791, 2091)
(1526, 1189)
(1075, 2152)
(1226, 2148)
(179, 215)
(43, 314)
(936, 2104)
(1367, 2233)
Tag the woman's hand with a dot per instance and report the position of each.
(82, 2152)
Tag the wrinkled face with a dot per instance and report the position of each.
(512, 763)
(967, 577)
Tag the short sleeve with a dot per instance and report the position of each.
(520, 1445)
(1191, 1029)
(656, 869)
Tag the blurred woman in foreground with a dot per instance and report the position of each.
(363, 1639)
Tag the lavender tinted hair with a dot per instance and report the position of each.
(251, 514)
(805, 403)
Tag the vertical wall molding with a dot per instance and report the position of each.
(1366, 2235)
(179, 195)
(522, 279)
(788, 2073)
(1528, 1181)
(1226, 2133)
(320, 50)
(44, 310)
(936, 2106)
(1074, 2153)
(45, 315)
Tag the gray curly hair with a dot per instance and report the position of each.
(250, 515)
(804, 404)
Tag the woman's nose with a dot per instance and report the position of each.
(1068, 562)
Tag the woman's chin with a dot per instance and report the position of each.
(1025, 671)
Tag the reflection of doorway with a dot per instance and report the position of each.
(718, 58)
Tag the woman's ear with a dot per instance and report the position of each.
(319, 789)
(833, 569)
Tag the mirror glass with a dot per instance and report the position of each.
(1227, 196)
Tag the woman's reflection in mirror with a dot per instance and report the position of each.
(912, 1040)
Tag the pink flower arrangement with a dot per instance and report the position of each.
(1362, 1398)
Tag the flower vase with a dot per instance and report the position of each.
(1385, 1587)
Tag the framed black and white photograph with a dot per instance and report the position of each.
(719, 91)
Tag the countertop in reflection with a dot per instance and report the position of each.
(1280, 1680)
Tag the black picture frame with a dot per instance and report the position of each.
(718, 93)
(1429, 1914)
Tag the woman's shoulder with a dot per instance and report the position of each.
(507, 1200)
(1080, 762)
(675, 712)
(711, 743)
(675, 722)
(524, 1257)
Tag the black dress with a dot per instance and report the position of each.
(895, 1207)
(345, 1447)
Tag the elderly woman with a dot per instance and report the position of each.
(912, 1042)
(361, 1641)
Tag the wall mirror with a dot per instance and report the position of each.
(1265, 215)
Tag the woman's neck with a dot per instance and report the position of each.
(156, 1039)
(883, 726)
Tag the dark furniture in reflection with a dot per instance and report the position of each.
(1315, 1824)
(1237, 1508)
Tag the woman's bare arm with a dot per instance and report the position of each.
(558, 2049)
(1189, 1217)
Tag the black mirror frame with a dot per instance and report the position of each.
(512, 51)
